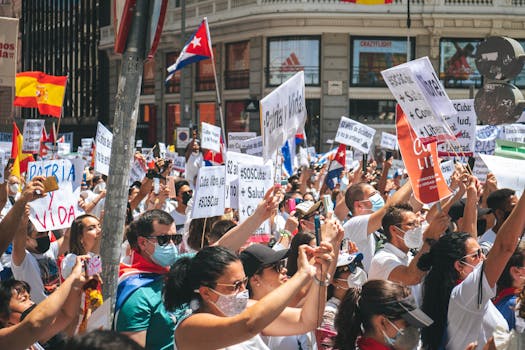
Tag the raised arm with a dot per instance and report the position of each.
(401, 196)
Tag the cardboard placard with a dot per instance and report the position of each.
(355, 134)
(209, 194)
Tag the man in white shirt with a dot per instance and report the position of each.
(501, 202)
(367, 208)
(183, 194)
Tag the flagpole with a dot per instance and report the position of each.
(409, 23)
(60, 119)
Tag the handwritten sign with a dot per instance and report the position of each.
(179, 163)
(103, 143)
(233, 160)
(32, 135)
(64, 170)
(418, 90)
(486, 136)
(209, 196)
(254, 181)
(253, 146)
(355, 134)
(162, 149)
(211, 137)
(283, 114)
(480, 169)
(137, 172)
(463, 125)
(447, 168)
(64, 148)
(235, 139)
(388, 141)
(514, 132)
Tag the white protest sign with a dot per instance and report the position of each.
(486, 136)
(162, 149)
(211, 137)
(179, 163)
(463, 125)
(447, 168)
(253, 146)
(283, 114)
(388, 141)
(254, 181)
(65, 170)
(103, 149)
(509, 172)
(86, 143)
(3, 162)
(56, 210)
(312, 152)
(8, 49)
(63, 148)
(480, 169)
(235, 139)
(32, 135)
(233, 160)
(171, 155)
(209, 197)
(514, 132)
(355, 134)
(349, 159)
(419, 92)
(137, 172)
(6, 146)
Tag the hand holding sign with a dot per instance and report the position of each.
(33, 190)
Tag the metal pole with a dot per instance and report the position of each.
(182, 41)
(124, 126)
(409, 23)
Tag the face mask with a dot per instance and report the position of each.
(377, 202)
(165, 255)
(186, 196)
(392, 341)
(413, 238)
(231, 305)
(357, 279)
(467, 264)
(408, 340)
(13, 188)
(42, 244)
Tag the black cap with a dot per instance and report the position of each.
(258, 255)
(457, 210)
(404, 308)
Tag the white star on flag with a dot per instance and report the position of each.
(196, 42)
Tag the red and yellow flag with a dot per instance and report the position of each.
(21, 160)
(369, 2)
(42, 91)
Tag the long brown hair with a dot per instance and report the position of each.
(75, 236)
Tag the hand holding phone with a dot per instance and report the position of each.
(317, 223)
(93, 266)
(291, 205)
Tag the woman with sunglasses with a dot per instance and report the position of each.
(461, 282)
(209, 299)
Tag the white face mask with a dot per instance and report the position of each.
(413, 238)
(356, 279)
(233, 304)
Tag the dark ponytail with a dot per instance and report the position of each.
(348, 320)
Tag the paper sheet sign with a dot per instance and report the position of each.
(253, 146)
(32, 135)
(418, 90)
(235, 139)
(388, 141)
(65, 170)
(103, 143)
(209, 196)
(510, 173)
(447, 168)
(463, 125)
(355, 134)
(254, 181)
(486, 136)
(233, 161)
(421, 162)
(211, 137)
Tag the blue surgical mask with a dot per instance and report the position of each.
(377, 202)
(165, 255)
(392, 341)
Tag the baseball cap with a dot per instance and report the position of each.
(346, 259)
(258, 255)
(404, 308)
(457, 210)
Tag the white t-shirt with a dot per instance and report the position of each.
(180, 220)
(467, 322)
(356, 230)
(386, 260)
(39, 271)
(486, 241)
(291, 342)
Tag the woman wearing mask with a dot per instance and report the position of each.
(379, 316)
(209, 297)
(461, 282)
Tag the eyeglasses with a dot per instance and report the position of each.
(478, 254)
(162, 240)
(350, 267)
(278, 266)
(235, 286)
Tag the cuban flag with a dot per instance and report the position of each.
(336, 167)
(211, 158)
(197, 48)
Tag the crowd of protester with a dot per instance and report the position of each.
(361, 266)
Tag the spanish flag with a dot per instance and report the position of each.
(42, 91)
(21, 160)
(369, 2)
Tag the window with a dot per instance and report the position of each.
(236, 118)
(147, 125)
(312, 126)
(172, 121)
(173, 85)
(205, 79)
(237, 74)
(148, 78)
(370, 55)
(373, 111)
(206, 112)
(287, 56)
(457, 67)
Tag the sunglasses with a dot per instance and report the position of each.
(278, 266)
(478, 254)
(236, 286)
(350, 267)
(162, 240)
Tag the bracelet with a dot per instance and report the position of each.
(324, 283)
(284, 233)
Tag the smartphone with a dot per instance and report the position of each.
(364, 162)
(388, 155)
(317, 223)
(93, 266)
(471, 161)
(327, 204)
(156, 185)
(10, 161)
(291, 205)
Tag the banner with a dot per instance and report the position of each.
(355, 134)
(65, 170)
(235, 139)
(233, 161)
(210, 137)
(32, 135)
(209, 195)
(514, 132)
(418, 90)
(253, 146)
(510, 173)
(8, 48)
(283, 114)
(103, 143)
(421, 163)
(388, 141)
(463, 125)
(486, 136)
(480, 169)
(254, 181)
